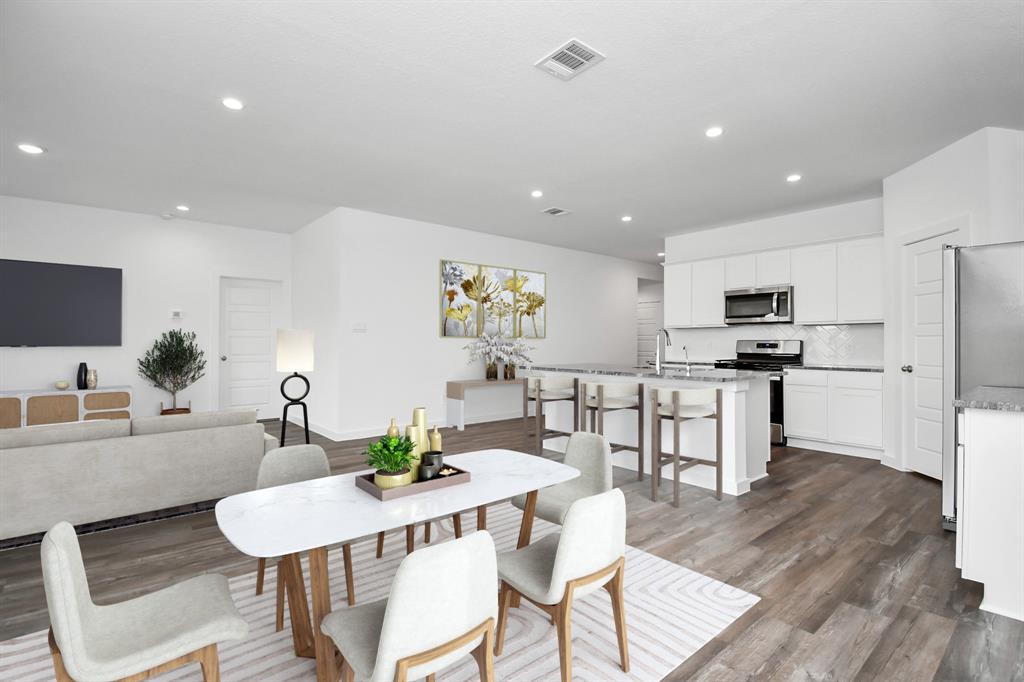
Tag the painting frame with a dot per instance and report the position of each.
(516, 308)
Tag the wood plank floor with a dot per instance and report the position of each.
(855, 573)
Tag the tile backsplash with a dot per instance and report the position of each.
(827, 344)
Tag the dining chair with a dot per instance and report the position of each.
(292, 464)
(588, 553)
(442, 606)
(591, 454)
(134, 639)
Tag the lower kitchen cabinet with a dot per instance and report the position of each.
(841, 411)
(806, 411)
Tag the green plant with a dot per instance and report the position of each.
(390, 454)
(174, 363)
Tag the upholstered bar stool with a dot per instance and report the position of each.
(601, 398)
(544, 390)
(681, 405)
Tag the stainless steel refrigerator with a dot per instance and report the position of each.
(983, 337)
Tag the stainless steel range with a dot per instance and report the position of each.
(768, 355)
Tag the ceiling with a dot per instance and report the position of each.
(433, 110)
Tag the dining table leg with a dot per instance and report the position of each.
(525, 531)
(298, 606)
(481, 517)
(320, 587)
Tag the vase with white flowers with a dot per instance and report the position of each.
(492, 349)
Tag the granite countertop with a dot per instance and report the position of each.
(1003, 398)
(843, 368)
(667, 373)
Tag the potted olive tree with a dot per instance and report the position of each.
(174, 363)
(392, 458)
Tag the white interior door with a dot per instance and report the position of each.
(251, 310)
(922, 354)
(649, 314)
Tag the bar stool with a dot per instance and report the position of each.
(681, 405)
(548, 389)
(601, 398)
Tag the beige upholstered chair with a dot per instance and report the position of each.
(441, 607)
(588, 554)
(600, 398)
(544, 390)
(591, 454)
(293, 464)
(681, 405)
(154, 633)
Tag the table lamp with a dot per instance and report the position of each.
(294, 354)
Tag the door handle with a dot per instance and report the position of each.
(223, 358)
(907, 368)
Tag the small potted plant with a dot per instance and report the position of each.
(174, 363)
(392, 458)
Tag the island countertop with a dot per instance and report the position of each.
(673, 373)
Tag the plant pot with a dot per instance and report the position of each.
(510, 372)
(492, 371)
(386, 481)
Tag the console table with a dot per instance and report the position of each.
(456, 392)
(51, 406)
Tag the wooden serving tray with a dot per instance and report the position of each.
(365, 482)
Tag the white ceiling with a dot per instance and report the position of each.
(434, 111)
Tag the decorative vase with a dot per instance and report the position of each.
(492, 371)
(435, 440)
(413, 433)
(432, 463)
(419, 420)
(82, 370)
(386, 481)
(393, 431)
(510, 372)
(90, 379)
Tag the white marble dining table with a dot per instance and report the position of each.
(309, 516)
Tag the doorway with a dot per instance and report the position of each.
(649, 318)
(251, 310)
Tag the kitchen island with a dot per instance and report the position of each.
(746, 433)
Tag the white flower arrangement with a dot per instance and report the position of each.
(491, 349)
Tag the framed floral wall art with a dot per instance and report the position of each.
(498, 301)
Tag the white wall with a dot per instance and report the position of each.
(167, 265)
(977, 184)
(832, 223)
(388, 269)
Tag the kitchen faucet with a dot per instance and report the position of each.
(657, 348)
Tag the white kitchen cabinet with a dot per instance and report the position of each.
(855, 408)
(772, 268)
(859, 281)
(678, 295)
(814, 284)
(740, 272)
(709, 293)
(806, 410)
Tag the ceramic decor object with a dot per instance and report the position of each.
(91, 380)
(80, 377)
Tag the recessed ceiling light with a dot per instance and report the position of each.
(30, 148)
(661, 254)
(182, 207)
(627, 218)
(232, 103)
(536, 194)
(714, 131)
(795, 177)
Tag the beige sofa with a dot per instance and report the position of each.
(92, 471)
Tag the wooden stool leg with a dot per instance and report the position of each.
(640, 433)
(380, 544)
(426, 532)
(655, 445)
(538, 407)
(261, 567)
(600, 409)
(526, 407)
(410, 538)
(675, 448)
(575, 403)
(457, 522)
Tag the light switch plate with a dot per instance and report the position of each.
(359, 328)
(175, 314)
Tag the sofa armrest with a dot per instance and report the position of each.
(269, 443)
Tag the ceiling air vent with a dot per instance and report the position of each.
(555, 211)
(570, 60)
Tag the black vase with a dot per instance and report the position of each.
(82, 370)
(430, 464)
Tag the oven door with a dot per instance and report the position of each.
(766, 304)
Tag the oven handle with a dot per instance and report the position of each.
(775, 304)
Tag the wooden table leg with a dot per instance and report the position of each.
(410, 538)
(526, 527)
(319, 583)
(457, 522)
(481, 517)
(298, 606)
(350, 583)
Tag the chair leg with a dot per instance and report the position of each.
(426, 532)
(261, 567)
(380, 544)
(281, 589)
(504, 602)
(539, 419)
(640, 434)
(655, 446)
(575, 405)
(410, 538)
(615, 590)
(431, 677)
(60, 673)
(563, 625)
(347, 674)
(350, 586)
(484, 655)
(600, 409)
(210, 663)
(675, 449)
(457, 522)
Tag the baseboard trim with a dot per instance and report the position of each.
(835, 448)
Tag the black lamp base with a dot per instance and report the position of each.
(298, 400)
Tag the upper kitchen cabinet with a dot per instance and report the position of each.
(773, 268)
(709, 293)
(814, 284)
(678, 295)
(740, 272)
(859, 281)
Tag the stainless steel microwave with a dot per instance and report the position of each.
(760, 305)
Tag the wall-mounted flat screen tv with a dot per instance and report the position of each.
(52, 304)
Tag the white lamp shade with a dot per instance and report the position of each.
(294, 350)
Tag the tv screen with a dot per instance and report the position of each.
(51, 304)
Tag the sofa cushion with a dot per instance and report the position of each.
(49, 434)
(144, 426)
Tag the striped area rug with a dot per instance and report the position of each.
(671, 612)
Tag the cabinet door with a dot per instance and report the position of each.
(773, 268)
(859, 281)
(678, 294)
(806, 411)
(855, 416)
(814, 284)
(739, 272)
(709, 293)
